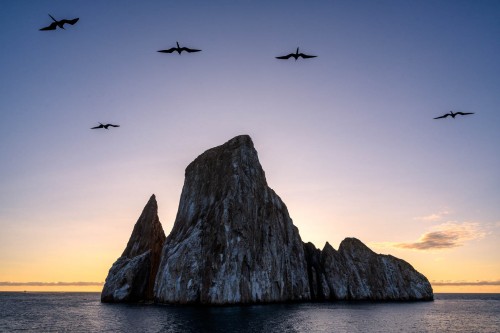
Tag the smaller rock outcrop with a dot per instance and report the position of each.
(355, 272)
(132, 276)
(381, 277)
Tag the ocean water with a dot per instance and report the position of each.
(83, 312)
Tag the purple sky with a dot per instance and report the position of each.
(347, 139)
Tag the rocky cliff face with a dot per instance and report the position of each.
(357, 273)
(132, 276)
(233, 240)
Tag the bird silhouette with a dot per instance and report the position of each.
(296, 55)
(179, 49)
(105, 126)
(59, 24)
(454, 114)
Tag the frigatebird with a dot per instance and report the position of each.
(454, 114)
(179, 49)
(105, 126)
(59, 24)
(296, 55)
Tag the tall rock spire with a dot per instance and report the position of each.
(233, 240)
(132, 276)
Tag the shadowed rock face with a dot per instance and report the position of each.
(131, 278)
(357, 273)
(233, 240)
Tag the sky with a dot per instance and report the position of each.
(347, 139)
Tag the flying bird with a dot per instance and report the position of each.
(296, 55)
(59, 24)
(105, 126)
(454, 114)
(179, 49)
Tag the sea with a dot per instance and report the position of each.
(83, 312)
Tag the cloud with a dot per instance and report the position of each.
(433, 217)
(466, 283)
(49, 284)
(445, 236)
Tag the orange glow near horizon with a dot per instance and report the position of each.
(467, 289)
(89, 289)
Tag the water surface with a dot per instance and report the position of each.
(83, 312)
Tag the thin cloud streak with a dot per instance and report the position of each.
(433, 217)
(466, 283)
(49, 284)
(445, 236)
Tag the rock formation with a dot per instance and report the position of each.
(357, 273)
(233, 240)
(132, 276)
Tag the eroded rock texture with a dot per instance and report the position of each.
(132, 276)
(233, 240)
(357, 273)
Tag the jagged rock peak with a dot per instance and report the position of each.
(355, 272)
(354, 247)
(239, 151)
(132, 276)
(232, 241)
(381, 277)
(241, 143)
(147, 233)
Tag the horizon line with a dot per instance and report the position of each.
(465, 283)
(49, 284)
(93, 283)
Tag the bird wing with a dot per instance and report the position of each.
(188, 50)
(52, 26)
(100, 126)
(285, 57)
(113, 125)
(305, 56)
(73, 21)
(169, 50)
(443, 116)
(464, 113)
